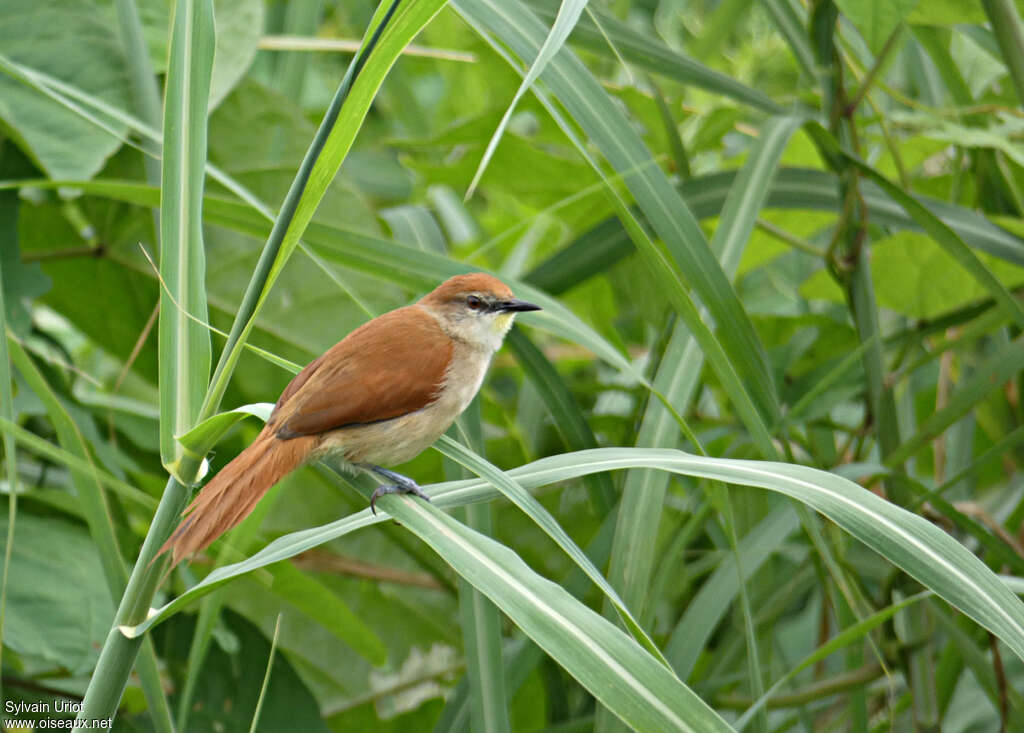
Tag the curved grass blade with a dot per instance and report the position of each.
(691, 258)
(652, 55)
(543, 519)
(624, 678)
(906, 540)
(568, 14)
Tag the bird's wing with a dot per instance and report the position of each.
(390, 366)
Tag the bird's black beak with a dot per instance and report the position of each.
(517, 306)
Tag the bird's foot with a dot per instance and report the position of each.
(402, 485)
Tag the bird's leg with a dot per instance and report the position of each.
(402, 485)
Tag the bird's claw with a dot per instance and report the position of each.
(403, 488)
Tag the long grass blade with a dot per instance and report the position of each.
(568, 14)
(536, 511)
(10, 456)
(184, 345)
(908, 541)
(691, 258)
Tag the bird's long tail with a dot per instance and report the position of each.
(232, 494)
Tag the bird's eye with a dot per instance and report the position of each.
(474, 302)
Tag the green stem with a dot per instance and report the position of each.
(7, 412)
(119, 652)
(818, 691)
(118, 655)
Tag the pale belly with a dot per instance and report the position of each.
(390, 442)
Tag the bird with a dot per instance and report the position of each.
(379, 397)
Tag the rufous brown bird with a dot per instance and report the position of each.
(381, 395)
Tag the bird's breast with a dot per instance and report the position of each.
(400, 439)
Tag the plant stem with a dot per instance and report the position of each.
(118, 655)
(119, 652)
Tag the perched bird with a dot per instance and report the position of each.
(381, 395)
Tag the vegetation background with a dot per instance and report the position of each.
(781, 230)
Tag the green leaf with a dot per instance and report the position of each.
(184, 341)
(568, 14)
(652, 55)
(66, 618)
(58, 140)
(543, 519)
(200, 439)
(624, 678)
(916, 277)
(933, 225)
(904, 539)
(239, 27)
(603, 121)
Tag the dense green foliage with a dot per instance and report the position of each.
(757, 464)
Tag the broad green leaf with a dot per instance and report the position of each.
(65, 619)
(933, 225)
(59, 141)
(916, 277)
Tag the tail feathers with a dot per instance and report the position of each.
(232, 494)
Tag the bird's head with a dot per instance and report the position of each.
(476, 308)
